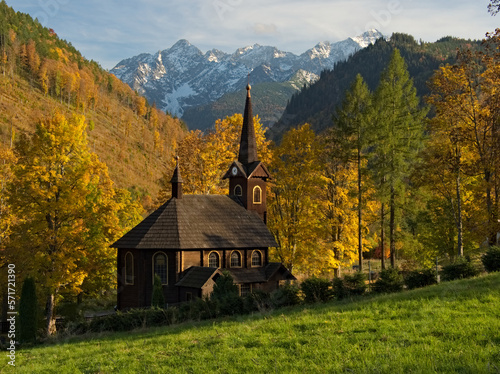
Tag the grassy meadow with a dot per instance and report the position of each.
(453, 327)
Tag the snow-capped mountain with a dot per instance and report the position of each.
(183, 76)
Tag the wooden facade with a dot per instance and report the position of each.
(190, 239)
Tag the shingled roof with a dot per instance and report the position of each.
(260, 275)
(199, 222)
(197, 276)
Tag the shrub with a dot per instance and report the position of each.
(197, 310)
(158, 299)
(258, 300)
(491, 259)
(350, 285)
(389, 280)
(461, 268)
(226, 296)
(316, 289)
(28, 312)
(286, 295)
(132, 319)
(420, 278)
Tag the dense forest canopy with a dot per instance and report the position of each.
(316, 104)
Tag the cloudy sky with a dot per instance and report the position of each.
(108, 31)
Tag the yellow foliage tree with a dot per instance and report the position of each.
(295, 202)
(69, 212)
(204, 158)
(7, 161)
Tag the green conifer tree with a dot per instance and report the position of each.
(28, 312)
(398, 126)
(352, 133)
(158, 299)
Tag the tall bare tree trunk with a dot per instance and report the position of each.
(382, 234)
(460, 245)
(392, 228)
(51, 322)
(360, 237)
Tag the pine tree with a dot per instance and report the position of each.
(398, 121)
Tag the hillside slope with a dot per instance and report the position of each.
(317, 103)
(268, 100)
(448, 328)
(41, 74)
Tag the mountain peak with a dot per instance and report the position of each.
(182, 43)
(182, 76)
(368, 37)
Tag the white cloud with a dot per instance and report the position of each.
(263, 29)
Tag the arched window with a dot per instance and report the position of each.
(235, 259)
(257, 195)
(160, 263)
(256, 258)
(213, 260)
(129, 268)
(238, 191)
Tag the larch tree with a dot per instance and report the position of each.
(69, 212)
(352, 131)
(399, 123)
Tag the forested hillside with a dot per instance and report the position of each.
(269, 100)
(317, 103)
(40, 74)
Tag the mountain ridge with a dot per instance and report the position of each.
(182, 76)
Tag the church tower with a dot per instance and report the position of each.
(248, 176)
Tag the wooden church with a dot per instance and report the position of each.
(190, 239)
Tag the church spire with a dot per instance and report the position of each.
(177, 181)
(248, 144)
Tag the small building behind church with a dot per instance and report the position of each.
(191, 239)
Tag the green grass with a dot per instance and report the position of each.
(453, 327)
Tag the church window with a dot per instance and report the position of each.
(245, 289)
(256, 258)
(238, 191)
(160, 267)
(129, 268)
(257, 195)
(213, 260)
(235, 259)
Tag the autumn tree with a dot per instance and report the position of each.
(494, 7)
(338, 208)
(69, 212)
(7, 162)
(293, 207)
(205, 157)
(449, 154)
(399, 123)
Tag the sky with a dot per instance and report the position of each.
(108, 31)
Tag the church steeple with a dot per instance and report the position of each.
(248, 144)
(247, 175)
(177, 181)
